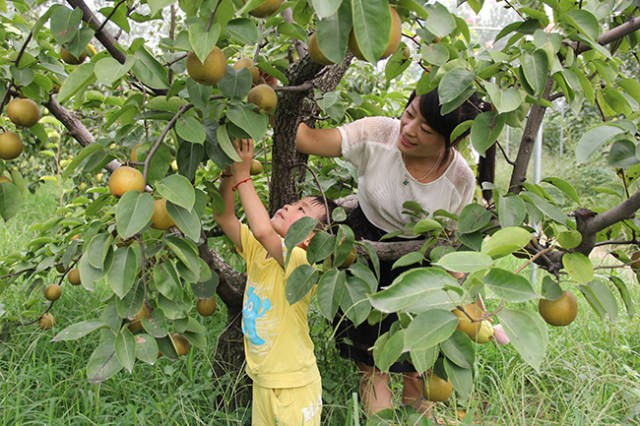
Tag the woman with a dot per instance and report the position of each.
(397, 160)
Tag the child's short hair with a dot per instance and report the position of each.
(331, 205)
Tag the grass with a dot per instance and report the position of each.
(590, 375)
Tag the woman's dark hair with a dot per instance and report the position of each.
(429, 105)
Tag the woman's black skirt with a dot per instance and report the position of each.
(353, 342)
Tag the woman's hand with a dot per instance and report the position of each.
(244, 148)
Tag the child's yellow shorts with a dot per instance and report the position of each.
(287, 406)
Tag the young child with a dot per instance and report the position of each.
(279, 352)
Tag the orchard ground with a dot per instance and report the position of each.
(590, 375)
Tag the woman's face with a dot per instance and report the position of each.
(417, 138)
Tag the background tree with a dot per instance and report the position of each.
(142, 95)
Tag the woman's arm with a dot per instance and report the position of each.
(323, 142)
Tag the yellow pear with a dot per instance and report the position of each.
(180, 344)
(559, 312)
(264, 97)
(246, 63)
(316, 54)
(206, 306)
(211, 71)
(70, 59)
(395, 33)
(160, 218)
(53, 292)
(46, 321)
(144, 312)
(124, 179)
(23, 112)
(74, 276)
(266, 8)
(10, 145)
(436, 388)
(478, 331)
(256, 167)
(4, 179)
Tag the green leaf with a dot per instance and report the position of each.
(178, 190)
(251, 122)
(387, 350)
(10, 200)
(189, 157)
(133, 213)
(88, 274)
(506, 241)
(235, 83)
(146, 348)
(578, 267)
(430, 328)
(417, 290)
(125, 346)
(583, 21)
(80, 78)
(201, 40)
(535, 68)
(408, 259)
(509, 286)
(103, 362)
(156, 325)
(465, 261)
(122, 274)
(371, 26)
(326, 8)
(354, 301)
(623, 154)
(440, 22)
(485, 130)
(149, 70)
(550, 289)
(423, 360)
(190, 129)
(461, 378)
(473, 217)
(330, 291)
(78, 330)
(167, 281)
(333, 31)
(511, 211)
(459, 349)
(108, 70)
(569, 239)
(320, 247)
(207, 288)
(97, 249)
(427, 225)
(453, 84)
(186, 252)
(595, 139)
(528, 335)
(222, 137)
(297, 233)
(300, 282)
(187, 221)
(158, 5)
(64, 23)
(506, 100)
(624, 294)
(435, 53)
(545, 207)
(243, 30)
(605, 298)
(563, 186)
(131, 303)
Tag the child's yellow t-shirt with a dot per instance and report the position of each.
(277, 345)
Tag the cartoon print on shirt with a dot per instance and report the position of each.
(252, 309)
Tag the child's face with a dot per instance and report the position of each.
(289, 213)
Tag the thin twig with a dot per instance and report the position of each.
(610, 242)
(213, 14)
(504, 154)
(530, 261)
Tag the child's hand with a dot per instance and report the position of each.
(244, 148)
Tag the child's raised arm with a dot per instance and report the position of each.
(227, 220)
(259, 220)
